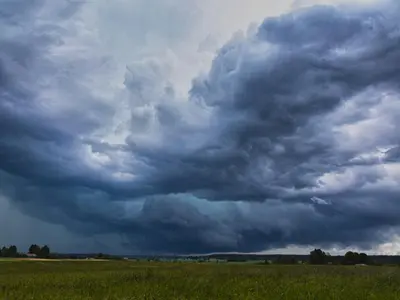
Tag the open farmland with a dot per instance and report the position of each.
(143, 280)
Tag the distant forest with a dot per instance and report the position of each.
(316, 257)
(33, 251)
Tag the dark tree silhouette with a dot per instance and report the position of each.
(318, 257)
(354, 258)
(11, 251)
(44, 252)
(363, 258)
(350, 258)
(34, 249)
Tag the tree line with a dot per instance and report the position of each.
(34, 250)
(319, 257)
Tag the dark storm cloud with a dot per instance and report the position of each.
(277, 159)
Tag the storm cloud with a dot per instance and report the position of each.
(290, 138)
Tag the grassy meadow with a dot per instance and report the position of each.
(56, 280)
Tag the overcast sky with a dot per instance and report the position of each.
(198, 126)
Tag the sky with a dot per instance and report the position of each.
(200, 126)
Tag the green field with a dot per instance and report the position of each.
(142, 280)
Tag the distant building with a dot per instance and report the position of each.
(32, 255)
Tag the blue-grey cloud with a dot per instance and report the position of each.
(289, 139)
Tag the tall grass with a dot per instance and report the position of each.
(139, 280)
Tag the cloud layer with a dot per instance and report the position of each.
(288, 139)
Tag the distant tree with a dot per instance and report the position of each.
(354, 258)
(34, 249)
(318, 257)
(350, 258)
(44, 252)
(4, 251)
(13, 251)
(363, 258)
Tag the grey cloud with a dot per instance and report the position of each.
(255, 159)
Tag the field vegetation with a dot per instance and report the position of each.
(81, 279)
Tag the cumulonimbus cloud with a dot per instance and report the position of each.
(290, 138)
